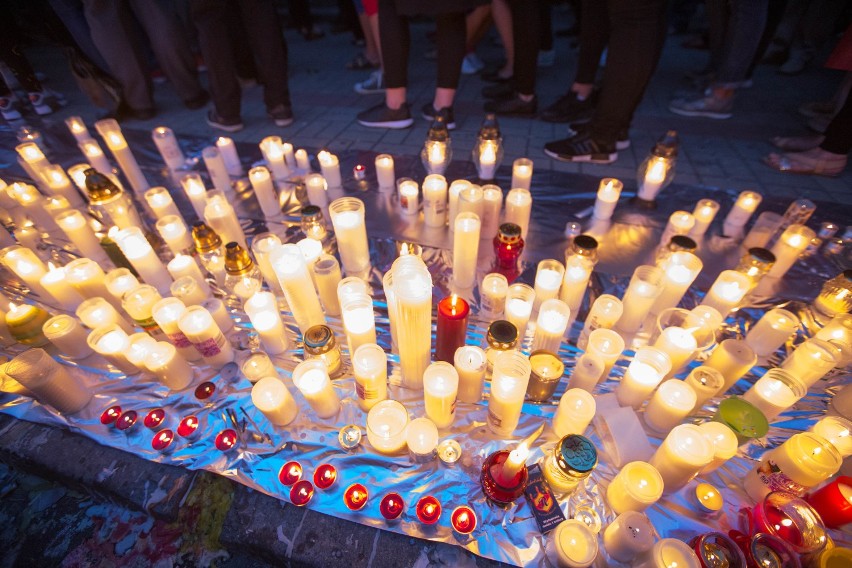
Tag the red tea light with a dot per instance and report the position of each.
(188, 427)
(290, 473)
(301, 493)
(355, 497)
(463, 519)
(428, 510)
(126, 420)
(205, 390)
(359, 172)
(392, 506)
(155, 418)
(162, 441)
(325, 476)
(226, 440)
(111, 415)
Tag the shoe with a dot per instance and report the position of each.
(546, 58)
(622, 140)
(281, 114)
(494, 76)
(514, 106)
(45, 102)
(375, 83)
(472, 64)
(361, 63)
(124, 112)
(797, 61)
(498, 91)
(705, 105)
(775, 54)
(581, 148)
(381, 116)
(197, 102)
(813, 109)
(8, 109)
(429, 113)
(568, 108)
(158, 77)
(216, 121)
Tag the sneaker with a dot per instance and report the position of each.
(568, 108)
(498, 91)
(375, 83)
(8, 109)
(429, 113)
(281, 114)
(546, 58)
(44, 102)
(581, 148)
(705, 105)
(622, 140)
(472, 64)
(197, 102)
(216, 121)
(513, 106)
(382, 116)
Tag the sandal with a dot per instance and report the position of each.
(361, 63)
(806, 163)
(797, 143)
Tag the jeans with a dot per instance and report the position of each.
(736, 27)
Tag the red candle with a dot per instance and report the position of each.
(154, 418)
(428, 510)
(325, 476)
(290, 473)
(111, 414)
(834, 502)
(188, 427)
(391, 506)
(463, 519)
(452, 327)
(301, 493)
(355, 496)
(226, 440)
(162, 440)
(205, 390)
(126, 420)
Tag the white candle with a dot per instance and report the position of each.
(97, 312)
(216, 168)
(312, 380)
(51, 383)
(410, 309)
(655, 176)
(587, 372)
(347, 217)
(509, 382)
(66, 333)
(262, 310)
(271, 397)
(387, 423)
(522, 171)
(292, 271)
(670, 553)
(77, 229)
(302, 160)
(575, 411)
(27, 266)
(771, 331)
(488, 159)
(161, 203)
(792, 242)
(33, 159)
(220, 215)
(166, 313)
(635, 487)
(273, 152)
(492, 294)
(257, 366)
(680, 223)
(707, 382)
(436, 156)
(384, 170)
(603, 314)
(422, 439)
(169, 366)
(95, 156)
(762, 231)
(553, 318)
(228, 151)
(112, 343)
(606, 344)
(359, 322)
(370, 368)
(56, 284)
(59, 185)
(111, 133)
(220, 314)
(519, 304)
(265, 192)
(32, 202)
(671, 403)
(317, 190)
(727, 291)
(609, 190)
(683, 453)
(642, 376)
(88, 278)
(168, 147)
(492, 204)
(465, 249)
(195, 191)
(183, 265)
(628, 536)
(837, 431)
(680, 269)
(199, 327)
(326, 275)
(704, 213)
(470, 363)
(138, 251)
(435, 200)
(440, 388)
(28, 236)
(811, 360)
(578, 272)
(733, 358)
(645, 286)
(189, 291)
(571, 545)
(453, 193)
(679, 344)
(56, 206)
(330, 168)
(725, 444)
(175, 234)
(775, 392)
(519, 209)
(408, 196)
(548, 280)
(741, 212)
(139, 304)
(140, 346)
(77, 128)
(470, 200)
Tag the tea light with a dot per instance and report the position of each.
(292, 271)
(126, 421)
(349, 437)
(629, 535)
(509, 382)
(162, 441)
(205, 390)
(704, 213)
(79, 232)
(110, 131)
(683, 453)
(574, 413)
(609, 190)
(97, 312)
(727, 291)
(330, 168)
(792, 242)
(680, 269)
(370, 367)
(642, 376)
(571, 545)
(384, 170)
(408, 196)
(138, 251)
(463, 519)
(302, 491)
(272, 148)
(422, 440)
(519, 304)
(672, 402)
(215, 165)
(771, 331)
(56, 284)
(110, 415)
(465, 249)
(226, 440)
(706, 382)
(228, 151)
(391, 506)
(290, 473)
(168, 147)
(77, 128)
(449, 451)
(387, 422)
(811, 360)
(262, 310)
(553, 319)
(199, 327)
(428, 510)
(708, 497)
(264, 192)
(740, 213)
(112, 343)
(725, 443)
(440, 386)
(325, 475)
(193, 187)
(775, 392)
(522, 170)
(69, 337)
(188, 427)
(637, 486)
(154, 419)
(347, 217)
(312, 380)
(607, 345)
(519, 208)
(644, 288)
(355, 497)
(733, 358)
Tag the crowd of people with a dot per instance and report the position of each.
(118, 49)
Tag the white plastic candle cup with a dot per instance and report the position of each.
(575, 412)
(519, 304)
(410, 284)
(727, 291)
(272, 149)
(637, 486)
(264, 192)
(422, 439)
(672, 402)
(169, 366)
(669, 553)
(453, 193)
(644, 288)
(707, 382)
(112, 343)
(740, 213)
(175, 233)
(733, 358)
(326, 276)
(465, 249)
(725, 443)
(704, 213)
(440, 389)
(628, 536)
(69, 337)
(370, 367)
(772, 331)
(522, 171)
(220, 215)
(553, 319)
(606, 344)
(548, 279)
(273, 399)
(292, 271)
(571, 545)
(80, 233)
(683, 453)
(189, 291)
(679, 344)
(216, 168)
(764, 228)
(139, 303)
(160, 202)
(642, 376)
(119, 281)
(509, 381)
(229, 154)
(97, 312)
(56, 284)
(196, 192)
(168, 147)
(492, 292)
(262, 310)
(140, 346)
(680, 269)
(492, 205)
(435, 200)
(812, 360)
(384, 170)
(330, 168)
(347, 217)
(359, 321)
(257, 366)
(409, 192)
(519, 208)
(471, 364)
(792, 242)
(609, 190)
(49, 381)
(470, 200)
(387, 423)
(312, 380)
(680, 223)
(775, 392)
(587, 372)
(199, 327)
(837, 430)
(604, 313)
(25, 265)
(138, 251)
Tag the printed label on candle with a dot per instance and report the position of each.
(178, 339)
(211, 347)
(365, 393)
(542, 501)
(776, 480)
(494, 420)
(150, 326)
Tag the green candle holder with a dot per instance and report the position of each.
(745, 419)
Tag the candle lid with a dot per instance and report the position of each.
(319, 339)
(311, 213)
(546, 366)
(745, 419)
(667, 145)
(682, 243)
(509, 233)
(237, 260)
(502, 334)
(576, 453)
(205, 238)
(585, 245)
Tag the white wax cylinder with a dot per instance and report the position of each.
(587, 372)
(56, 283)
(410, 303)
(273, 399)
(193, 187)
(384, 170)
(265, 192)
(733, 358)
(161, 203)
(655, 176)
(111, 133)
(51, 383)
(609, 190)
(492, 204)
(725, 443)
(228, 151)
(603, 314)
(642, 376)
(33, 204)
(326, 275)
(771, 331)
(27, 266)
(455, 189)
(522, 171)
(635, 487)
(704, 213)
(312, 380)
(262, 310)
(88, 278)
(792, 242)
(435, 200)
(679, 271)
(55, 205)
(175, 234)
(303, 162)
(488, 152)
(220, 215)
(707, 382)
(370, 368)
(470, 363)
(606, 344)
(509, 382)
(292, 271)
(679, 344)
(645, 286)
(683, 453)
(69, 337)
(168, 147)
(77, 128)
(440, 388)
(261, 247)
(387, 423)
(33, 159)
(166, 314)
(169, 366)
(738, 216)
(727, 291)
(330, 168)
(199, 327)
(470, 200)
(215, 165)
(775, 392)
(141, 255)
(519, 209)
(811, 360)
(97, 312)
(492, 295)
(763, 230)
(680, 223)
(347, 217)
(575, 411)
(359, 322)
(257, 366)
(578, 272)
(553, 318)
(60, 186)
(671, 403)
(408, 196)
(465, 249)
(630, 534)
(317, 190)
(273, 152)
(113, 344)
(94, 155)
(571, 545)
(548, 280)
(220, 314)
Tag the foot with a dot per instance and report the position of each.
(472, 64)
(375, 83)
(705, 105)
(810, 162)
(546, 58)
(582, 148)
(798, 143)
(45, 102)
(228, 125)
(9, 109)
(514, 106)
(622, 141)
(498, 91)
(568, 108)
(797, 62)
(282, 114)
(429, 113)
(197, 102)
(381, 116)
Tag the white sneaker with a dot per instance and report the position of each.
(472, 64)
(374, 84)
(9, 109)
(546, 58)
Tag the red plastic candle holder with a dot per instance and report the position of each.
(205, 390)
(290, 473)
(226, 440)
(391, 506)
(126, 420)
(188, 427)
(834, 502)
(492, 485)
(453, 313)
(301, 493)
(154, 418)
(428, 510)
(463, 519)
(163, 441)
(110, 415)
(355, 497)
(325, 476)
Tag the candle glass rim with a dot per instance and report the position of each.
(346, 204)
(381, 405)
(645, 498)
(789, 504)
(100, 332)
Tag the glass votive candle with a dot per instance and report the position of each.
(189, 291)
(628, 536)
(312, 380)
(574, 413)
(791, 519)
(771, 331)
(775, 392)
(707, 382)
(704, 213)
(812, 360)
(112, 343)
(833, 502)
(440, 387)
(547, 371)
(422, 440)
(257, 366)
(68, 336)
(519, 304)
(733, 358)
(387, 422)
(792, 242)
(492, 295)
(837, 431)
(603, 314)
(671, 403)
(642, 376)
(725, 444)
(571, 545)
(727, 291)
(683, 453)
(571, 461)
(835, 298)
(637, 486)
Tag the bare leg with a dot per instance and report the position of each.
(443, 98)
(371, 50)
(395, 97)
(377, 38)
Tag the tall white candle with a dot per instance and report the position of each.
(470, 200)
(408, 196)
(509, 382)
(553, 318)
(609, 190)
(645, 286)
(519, 304)
(680, 223)
(33, 159)
(302, 160)
(771, 331)
(578, 272)
(169, 366)
(603, 314)
(680, 269)
(727, 291)
(273, 399)
(228, 151)
(199, 327)
(195, 191)
(312, 380)
(606, 344)
(548, 280)
(262, 310)
(184, 265)
(25, 265)
(189, 291)
(704, 213)
(762, 231)
(265, 192)
(492, 294)
(330, 168)
(175, 234)
(492, 204)
(465, 249)
(642, 376)
(111, 133)
(317, 190)
(733, 358)
(273, 152)
(575, 411)
(671, 403)
(470, 363)
(168, 147)
(359, 322)
(60, 186)
(725, 443)
(655, 175)
(370, 368)
(215, 165)
(77, 128)
(326, 275)
(56, 284)
(32, 202)
(519, 209)
(811, 360)
(683, 453)
(222, 218)
(66, 333)
(160, 202)
(522, 171)
(94, 155)
(792, 242)
(384, 170)
(440, 388)
(166, 313)
(741, 212)
(435, 200)
(292, 272)
(488, 151)
(347, 217)
(138, 251)
(410, 307)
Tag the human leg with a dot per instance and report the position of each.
(212, 20)
(526, 37)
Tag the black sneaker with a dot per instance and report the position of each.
(381, 116)
(429, 113)
(568, 108)
(228, 125)
(581, 148)
(622, 141)
(197, 102)
(281, 114)
(513, 106)
(498, 91)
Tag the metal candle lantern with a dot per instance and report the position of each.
(488, 151)
(437, 151)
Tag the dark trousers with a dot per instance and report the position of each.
(838, 135)
(396, 44)
(526, 22)
(14, 58)
(214, 19)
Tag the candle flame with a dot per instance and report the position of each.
(608, 186)
(51, 267)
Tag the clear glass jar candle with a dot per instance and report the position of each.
(572, 460)
(311, 378)
(637, 486)
(772, 331)
(644, 373)
(387, 422)
(775, 392)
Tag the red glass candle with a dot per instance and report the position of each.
(463, 519)
(789, 518)
(155, 418)
(290, 473)
(301, 493)
(226, 440)
(428, 510)
(355, 497)
(188, 427)
(508, 246)
(126, 420)
(325, 476)
(205, 390)
(494, 486)
(391, 506)
(834, 502)
(162, 440)
(452, 327)
(110, 415)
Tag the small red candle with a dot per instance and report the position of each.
(391, 506)
(126, 420)
(834, 502)
(154, 418)
(226, 440)
(188, 427)
(355, 497)
(290, 473)
(162, 440)
(463, 519)
(428, 510)
(301, 493)
(205, 390)
(452, 327)
(110, 415)
(325, 476)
